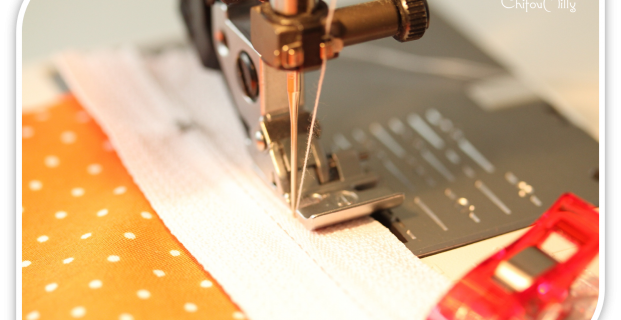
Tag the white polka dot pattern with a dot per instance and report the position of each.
(94, 169)
(33, 315)
(91, 245)
(77, 192)
(126, 316)
(60, 215)
(35, 185)
(27, 132)
(119, 190)
(52, 161)
(95, 284)
(146, 215)
(190, 307)
(51, 287)
(143, 294)
(68, 137)
(78, 312)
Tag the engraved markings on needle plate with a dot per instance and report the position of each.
(469, 171)
(392, 168)
(474, 217)
(452, 156)
(341, 141)
(411, 234)
(393, 145)
(446, 125)
(511, 178)
(433, 116)
(361, 138)
(421, 127)
(524, 189)
(436, 164)
(397, 126)
(492, 196)
(463, 204)
(399, 129)
(387, 140)
(535, 200)
(359, 135)
(475, 155)
(430, 213)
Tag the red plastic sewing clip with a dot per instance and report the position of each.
(522, 281)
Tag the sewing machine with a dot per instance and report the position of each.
(426, 144)
(256, 45)
(433, 138)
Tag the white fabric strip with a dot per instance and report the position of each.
(178, 134)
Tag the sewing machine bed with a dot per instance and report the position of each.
(468, 173)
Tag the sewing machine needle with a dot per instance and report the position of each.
(293, 92)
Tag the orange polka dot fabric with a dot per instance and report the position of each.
(92, 246)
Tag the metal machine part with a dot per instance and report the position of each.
(292, 7)
(291, 35)
(338, 188)
(405, 110)
(294, 37)
(197, 18)
(468, 173)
